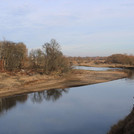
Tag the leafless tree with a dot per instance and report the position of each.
(13, 54)
(54, 59)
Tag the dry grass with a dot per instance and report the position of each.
(18, 83)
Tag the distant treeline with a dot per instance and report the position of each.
(14, 56)
(79, 60)
(121, 59)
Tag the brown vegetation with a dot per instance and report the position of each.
(113, 61)
(22, 72)
(121, 59)
(24, 82)
(14, 57)
(125, 126)
(86, 60)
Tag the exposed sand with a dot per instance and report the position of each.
(19, 84)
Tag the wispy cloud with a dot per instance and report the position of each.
(74, 23)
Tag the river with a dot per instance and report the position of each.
(95, 68)
(91, 109)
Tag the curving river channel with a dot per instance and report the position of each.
(91, 109)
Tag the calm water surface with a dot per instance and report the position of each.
(89, 109)
(95, 68)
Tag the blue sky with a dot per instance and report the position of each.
(82, 27)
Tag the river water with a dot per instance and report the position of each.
(95, 68)
(91, 109)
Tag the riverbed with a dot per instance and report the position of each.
(91, 109)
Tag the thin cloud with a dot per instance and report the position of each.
(76, 24)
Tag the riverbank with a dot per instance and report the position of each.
(19, 84)
(125, 66)
(124, 126)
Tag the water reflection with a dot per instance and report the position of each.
(93, 68)
(130, 77)
(91, 109)
(8, 103)
(48, 95)
(130, 74)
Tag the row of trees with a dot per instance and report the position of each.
(49, 59)
(91, 60)
(12, 55)
(121, 59)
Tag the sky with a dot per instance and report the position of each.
(81, 27)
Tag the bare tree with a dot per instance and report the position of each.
(13, 55)
(54, 59)
(37, 59)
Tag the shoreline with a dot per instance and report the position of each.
(124, 126)
(112, 66)
(19, 84)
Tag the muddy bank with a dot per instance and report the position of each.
(19, 84)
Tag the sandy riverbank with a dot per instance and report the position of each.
(19, 84)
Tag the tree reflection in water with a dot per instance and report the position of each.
(49, 95)
(130, 74)
(8, 103)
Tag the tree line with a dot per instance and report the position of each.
(15, 56)
(120, 59)
(123, 59)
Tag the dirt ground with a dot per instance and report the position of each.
(19, 84)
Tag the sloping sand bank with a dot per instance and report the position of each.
(20, 84)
